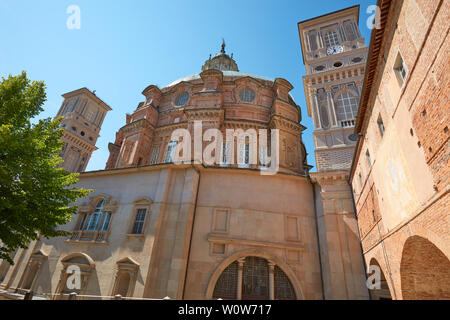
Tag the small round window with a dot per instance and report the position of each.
(247, 95)
(182, 99)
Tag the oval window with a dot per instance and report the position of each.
(182, 99)
(337, 64)
(319, 68)
(247, 95)
(357, 59)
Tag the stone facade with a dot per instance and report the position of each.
(401, 166)
(153, 228)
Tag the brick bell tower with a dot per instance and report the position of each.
(83, 114)
(334, 55)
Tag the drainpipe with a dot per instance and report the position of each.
(192, 231)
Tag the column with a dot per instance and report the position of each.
(240, 272)
(331, 110)
(271, 281)
(315, 104)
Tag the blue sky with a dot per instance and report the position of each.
(124, 46)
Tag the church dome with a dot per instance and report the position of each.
(221, 61)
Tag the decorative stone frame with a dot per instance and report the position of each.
(130, 266)
(99, 237)
(140, 203)
(248, 83)
(85, 268)
(240, 257)
(179, 89)
(37, 259)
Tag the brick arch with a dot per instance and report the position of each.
(424, 270)
(254, 253)
(385, 291)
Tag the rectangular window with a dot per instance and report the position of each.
(369, 161)
(139, 221)
(400, 70)
(170, 151)
(226, 153)
(263, 157)
(360, 180)
(155, 155)
(380, 125)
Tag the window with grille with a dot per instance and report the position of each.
(138, 225)
(346, 107)
(283, 287)
(255, 281)
(226, 286)
(331, 38)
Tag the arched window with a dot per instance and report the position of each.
(260, 280)
(331, 38)
(346, 106)
(226, 285)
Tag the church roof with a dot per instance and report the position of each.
(225, 74)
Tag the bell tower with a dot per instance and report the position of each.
(83, 114)
(334, 55)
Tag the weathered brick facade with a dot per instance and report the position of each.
(401, 166)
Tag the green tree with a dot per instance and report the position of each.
(35, 193)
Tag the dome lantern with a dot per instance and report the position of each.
(221, 61)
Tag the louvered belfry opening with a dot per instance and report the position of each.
(255, 273)
(226, 286)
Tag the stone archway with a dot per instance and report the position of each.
(424, 270)
(281, 271)
(382, 292)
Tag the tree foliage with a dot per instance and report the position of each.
(35, 194)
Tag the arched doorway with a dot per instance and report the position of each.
(253, 278)
(381, 289)
(424, 270)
